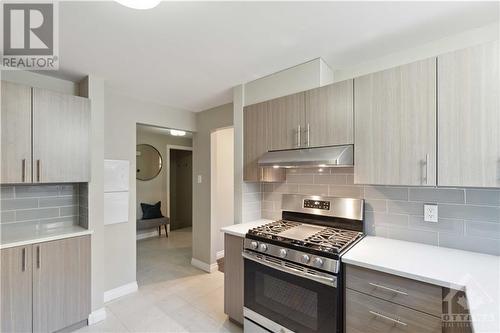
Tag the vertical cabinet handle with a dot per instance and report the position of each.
(427, 169)
(25, 263)
(38, 257)
(24, 170)
(298, 136)
(308, 136)
(38, 170)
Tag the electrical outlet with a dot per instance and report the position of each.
(200, 180)
(431, 213)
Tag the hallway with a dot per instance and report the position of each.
(173, 296)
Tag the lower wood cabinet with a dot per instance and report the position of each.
(233, 277)
(16, 289)
(45, 286)
(377, 302)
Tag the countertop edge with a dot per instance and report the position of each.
(241, 229)
(46, 239)
(440, 283)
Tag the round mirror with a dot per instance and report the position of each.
(148, 162)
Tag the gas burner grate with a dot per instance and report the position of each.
(332, 239)
(274, 228)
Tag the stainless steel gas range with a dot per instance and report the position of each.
(293, 271)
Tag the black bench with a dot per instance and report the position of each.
(154, 223)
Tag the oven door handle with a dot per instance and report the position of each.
(330, 281)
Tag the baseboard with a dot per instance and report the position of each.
(149, 234)
(97, 316)
(209, 268)
(219, 255)
(115, 293)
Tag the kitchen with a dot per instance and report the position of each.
(358, 189)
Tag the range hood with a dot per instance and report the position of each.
(322, 157)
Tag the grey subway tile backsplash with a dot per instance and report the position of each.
(36, 214)
(15, 204)
(386, 192)
(469, 219)
(437, 195)
(469, 212)
(482, 197)
(48, 205)
(405, 207)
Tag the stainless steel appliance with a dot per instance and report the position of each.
(293, 273)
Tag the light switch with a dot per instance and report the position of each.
(431, 213)
(199, 179)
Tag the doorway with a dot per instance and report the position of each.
(180, 187)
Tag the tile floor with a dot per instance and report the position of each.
(173, 296)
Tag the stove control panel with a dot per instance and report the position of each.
(317, 204)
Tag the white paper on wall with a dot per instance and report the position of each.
(116, 191)
(115, 207)
(116, 175)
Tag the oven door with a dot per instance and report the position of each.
(282, 295)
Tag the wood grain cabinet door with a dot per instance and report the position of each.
(16, 287)
(469, 117)
(61, 283)
(16, 133)
(329, 115)
(255, 144)
(254, 139)
(395, 126)
(61, 126)
(286, 122)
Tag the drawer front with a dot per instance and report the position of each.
(413, 294)
(367, 314)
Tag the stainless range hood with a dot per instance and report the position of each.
(333, 156)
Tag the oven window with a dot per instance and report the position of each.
(297, 303)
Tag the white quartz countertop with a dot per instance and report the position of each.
(20, 234)
(241, 229)
(477, 274)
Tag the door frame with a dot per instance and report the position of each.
(172, 147)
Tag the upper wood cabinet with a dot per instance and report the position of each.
(255, 143)
(469, 117)
(45, 136)
(329, 115)
(286, 122)
(16, 134)
(395, 126)
(60, 137)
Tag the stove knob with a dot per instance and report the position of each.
(305, 259)
(282, 253)
(254, 245)
(263, 247)
(318, 262)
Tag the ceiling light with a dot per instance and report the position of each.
(177, 133)
(139, 4)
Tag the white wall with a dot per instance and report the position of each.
(222, 187)
(122, 113)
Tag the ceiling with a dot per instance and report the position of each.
(189, 55)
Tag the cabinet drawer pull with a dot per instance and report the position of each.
(394, 321)
(427, 169)
(25, 263)
(387, 288)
